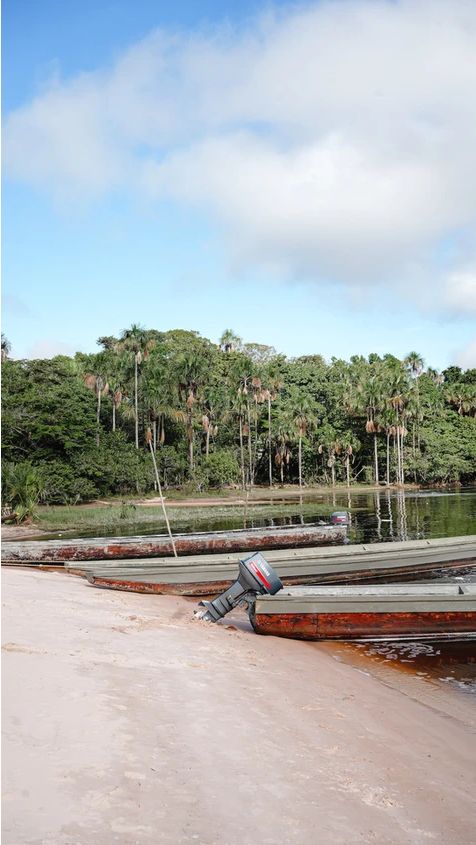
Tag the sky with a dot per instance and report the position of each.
(303, 174)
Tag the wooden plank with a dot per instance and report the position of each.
(381, 598)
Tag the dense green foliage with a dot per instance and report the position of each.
(229, 414)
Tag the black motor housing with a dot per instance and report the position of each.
(255, 576)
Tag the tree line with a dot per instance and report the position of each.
(231, 413)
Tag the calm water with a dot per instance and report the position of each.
(379, 516)
(451, 663)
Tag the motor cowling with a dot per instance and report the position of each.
(340, 518)
(255, 577)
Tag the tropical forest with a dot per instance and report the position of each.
(175, 408)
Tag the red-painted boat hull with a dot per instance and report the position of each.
(186, 544)
(346, 626)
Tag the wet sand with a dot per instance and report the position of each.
(127, 721)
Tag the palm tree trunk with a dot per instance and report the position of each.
(401, 459)
(255, 450)
(388, 458)
(300, 460)
(207, 442)
(154, 429)
(113, 415)
(242, 454)
(250, 453)
(399, 455)
(98, 415)
(414, 454)
(270, 463)
(190, 440)
(376, 458)
(347, 469)
(136, 401)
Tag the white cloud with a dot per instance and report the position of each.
(466, 357)
(49, 348)
(460, 290)
(336, 142)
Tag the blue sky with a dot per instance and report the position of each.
(211, 165)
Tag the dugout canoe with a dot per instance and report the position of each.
(206, 574)
(159, 545)
(357, 611)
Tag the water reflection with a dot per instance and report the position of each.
(376, 515)
(452, 662)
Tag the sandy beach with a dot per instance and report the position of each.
(127, 721)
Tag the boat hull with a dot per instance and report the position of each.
(42, 551)
(356, 612)
(349, 626)
(156, 584)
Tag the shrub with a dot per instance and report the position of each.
(219, 468)
(62, 485)
(115, 466)
(172, 466)
(21, 489)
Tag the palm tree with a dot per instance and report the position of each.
(136, 342)
(215, 406)
(191, 367)
(365, 396)
(229, 341)
(462, 396)
(398, 388)
(283, 439)
(414, 363)
(345, 446)
(238, 410)
(274, 384)
(302, 411)
(435, 375)
(6, 347)
(259, 396)
(100, 388)
(243, 395)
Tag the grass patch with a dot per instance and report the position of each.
(124, 518)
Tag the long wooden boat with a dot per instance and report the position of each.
(356, 612)
(159, 545)
(207, 574)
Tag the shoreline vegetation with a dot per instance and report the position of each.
(226, 504)
(141, 512)
(227, 419)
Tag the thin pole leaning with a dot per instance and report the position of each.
(162, 498)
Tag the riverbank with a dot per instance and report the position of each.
(139, 513)
(376, 513)
(229, 504)
(127, 721)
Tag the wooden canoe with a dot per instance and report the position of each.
(159, 545)
(356, 612)
(207, 574)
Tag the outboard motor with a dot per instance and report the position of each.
(340, 518)
(255, 576)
